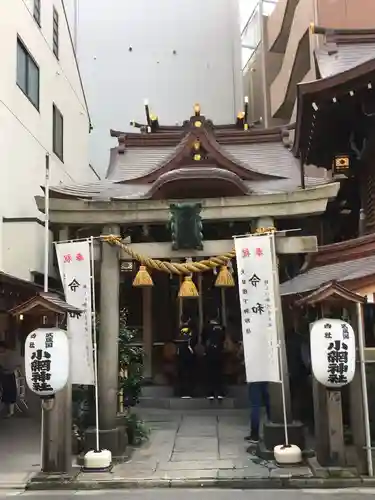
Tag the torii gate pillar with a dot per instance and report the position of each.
(274, 430)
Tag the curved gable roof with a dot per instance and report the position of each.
(323, 91)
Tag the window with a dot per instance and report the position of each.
(58, 133)
(37, 11)
(55, 37)
(27, 74)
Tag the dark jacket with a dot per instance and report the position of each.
(213, 338)
(186, 341)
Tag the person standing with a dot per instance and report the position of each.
(258, 397)
(8, 366)
(213, 339)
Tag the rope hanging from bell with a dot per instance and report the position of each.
(224, 278)
(188, 288)
(143, 278)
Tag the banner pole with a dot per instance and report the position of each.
(279, 340)
(362, 361)
(95, 347)
(45, 415)
(46, 224)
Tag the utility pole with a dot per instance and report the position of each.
(56, 437)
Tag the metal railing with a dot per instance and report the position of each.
(251, 33)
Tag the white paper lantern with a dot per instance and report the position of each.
(47, 361)
(332, 344)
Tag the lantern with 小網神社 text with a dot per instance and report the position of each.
(332, 343)
(47, 361)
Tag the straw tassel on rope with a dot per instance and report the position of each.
(188, 288)
(186, 268)
(224, 278)
(143, 278)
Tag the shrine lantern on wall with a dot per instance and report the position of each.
(333, 349)
(47, 361)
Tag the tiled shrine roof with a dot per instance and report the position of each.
(326, 109)
(251, 162)
(45, 301)
(349, 263)
(344, 50)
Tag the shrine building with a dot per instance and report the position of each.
(335, 131)
(241, 179)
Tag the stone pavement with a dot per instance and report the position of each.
(19, 451)
(196, 445)
(197, 494)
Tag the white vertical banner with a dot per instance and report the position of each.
(256, 273)
(74, 261)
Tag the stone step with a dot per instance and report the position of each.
(175, 403)
(167, 391)
(157, 391)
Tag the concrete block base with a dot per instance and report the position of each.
(114, 440)
(273, 435)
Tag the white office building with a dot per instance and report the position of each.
(43, 111)
(172, 52)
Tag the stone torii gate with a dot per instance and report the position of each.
(110, 428)
(109, 306)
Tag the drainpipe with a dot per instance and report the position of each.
(264, 64)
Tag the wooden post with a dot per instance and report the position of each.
(147, 330)
(57, 422)
(328, 420)
(223, 307)
(179, 300)
(320, 422)
(121, 396)
(200, 304)
(320, 419)
(357, 419)
(335, 428)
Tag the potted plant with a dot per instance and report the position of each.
(130, 363)
(130, 380)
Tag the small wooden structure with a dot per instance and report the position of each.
(49, 310)
(43, 305)
(328, 415)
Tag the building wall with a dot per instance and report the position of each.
(206, 67)
(346, 13)
(26, 132)
(296, 62)
(288, 36)
(253, 81)
(17, 236)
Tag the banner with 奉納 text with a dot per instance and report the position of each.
(256, 263)
(74, 261)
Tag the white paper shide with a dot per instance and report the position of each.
(46, 361)
(75, 269)
(255, 268)
(332, 343)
